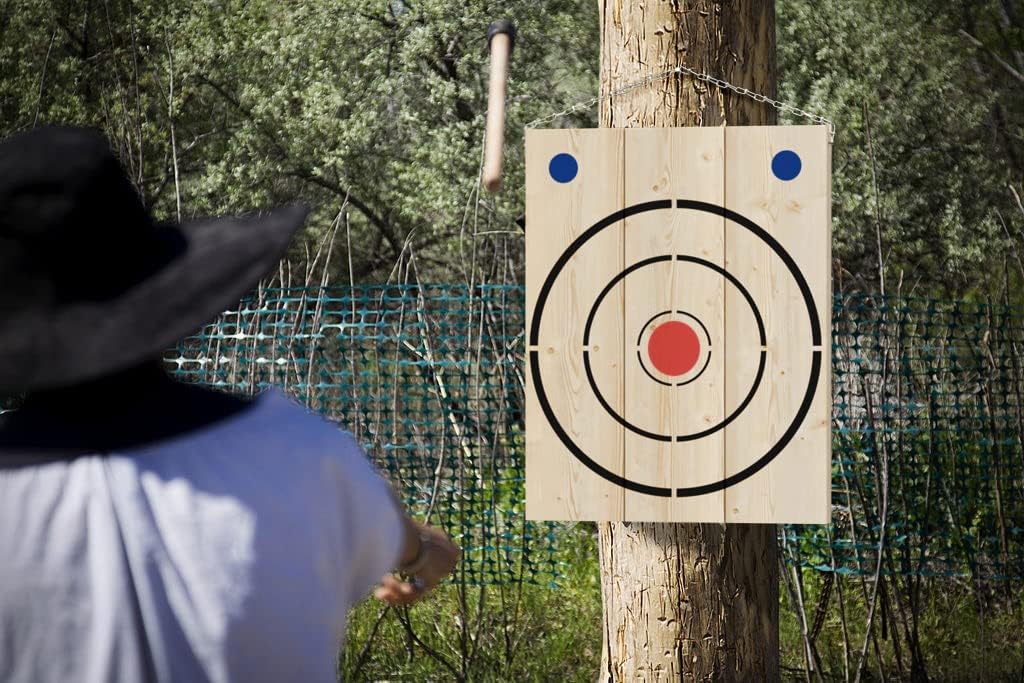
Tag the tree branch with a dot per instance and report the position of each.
(384, 226)
(996, 58)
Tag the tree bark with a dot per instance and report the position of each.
(688, 601)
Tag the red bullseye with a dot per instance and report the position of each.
(673, 348)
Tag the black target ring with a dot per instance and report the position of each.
(812, 313)
(753, 387)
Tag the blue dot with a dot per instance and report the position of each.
(563, 167)
(786, 165)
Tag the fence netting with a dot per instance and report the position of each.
(428, 379)
(928, 456)
(927, 427)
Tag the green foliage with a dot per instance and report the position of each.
(510, 633)
(378, 107)
(554, 634)
(374, 107)
(966, 636)
(925, 155)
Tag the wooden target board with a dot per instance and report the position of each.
(679, 324)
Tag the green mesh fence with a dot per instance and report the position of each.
(428, 379)
(927, 424)
(928, 436)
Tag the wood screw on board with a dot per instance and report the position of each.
(501, 38)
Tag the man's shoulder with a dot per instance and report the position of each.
(278, 420)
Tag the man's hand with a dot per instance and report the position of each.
(428, 556)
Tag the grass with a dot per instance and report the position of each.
(543, 633)
(962, 638)
(553, 633)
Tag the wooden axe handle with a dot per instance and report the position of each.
(501, 36)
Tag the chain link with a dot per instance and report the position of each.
(586, 105)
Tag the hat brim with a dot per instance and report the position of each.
(224, 258)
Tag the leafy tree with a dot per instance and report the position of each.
(377, 108)
(924, 158)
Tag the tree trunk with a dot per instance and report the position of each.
(693, 601)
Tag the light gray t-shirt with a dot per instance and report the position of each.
(231, 553)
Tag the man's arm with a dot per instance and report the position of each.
(427, 556)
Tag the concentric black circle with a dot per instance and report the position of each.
(753, 387)
(758, 232)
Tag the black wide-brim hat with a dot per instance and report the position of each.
(89, 283)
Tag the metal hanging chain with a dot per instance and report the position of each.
(697, 75)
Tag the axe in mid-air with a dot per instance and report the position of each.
(501, 37)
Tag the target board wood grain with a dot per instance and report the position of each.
(678, 324)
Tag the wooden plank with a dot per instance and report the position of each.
(665, 301)
(794, 487)
(558, 485)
